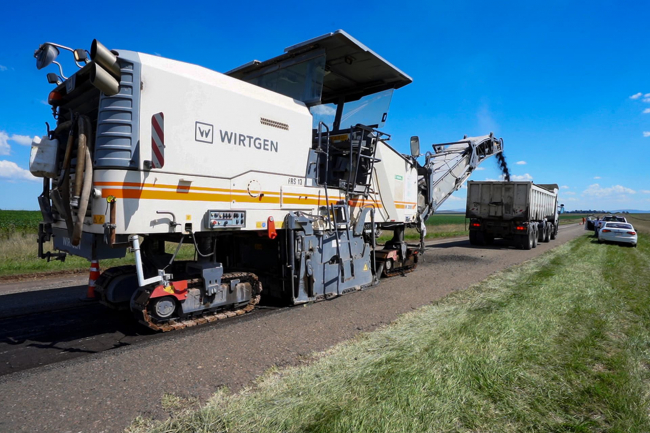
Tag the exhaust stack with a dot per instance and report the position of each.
(105, 72)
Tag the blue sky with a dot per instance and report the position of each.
(565, 83)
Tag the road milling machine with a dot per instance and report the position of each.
(276, 172)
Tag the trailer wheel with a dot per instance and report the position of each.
(480, 238)
(472, 238)
(547, 234)
(535, 240)
(526, 241)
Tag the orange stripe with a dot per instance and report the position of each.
(163, 195)
(154, 185)
(187, 193)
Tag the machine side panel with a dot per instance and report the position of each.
(219, 126)
(395, 183)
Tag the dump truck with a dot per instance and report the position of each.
(521, 212)
(277, 174)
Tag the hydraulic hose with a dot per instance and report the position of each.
(63, 184)
(86, 186)
(68, 149)
(82, 139)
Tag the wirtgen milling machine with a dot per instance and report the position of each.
(275, 172)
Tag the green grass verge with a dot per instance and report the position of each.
(18, 256)
(558, 344)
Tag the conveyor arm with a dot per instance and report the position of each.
(445, 170)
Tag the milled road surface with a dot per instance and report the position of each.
(104, 392)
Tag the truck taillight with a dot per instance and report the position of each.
(631, 233)
(476, 225)
(520, 228)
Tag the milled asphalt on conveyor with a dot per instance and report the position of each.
(104, 392)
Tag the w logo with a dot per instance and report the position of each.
(203, 132)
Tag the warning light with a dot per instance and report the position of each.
(54, 98)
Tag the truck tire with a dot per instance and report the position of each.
(526, 241)
(541, 231)
(489, 238)
(553, 232)
(472, 238)
(547, 235)
(480, 238)
(535, 240)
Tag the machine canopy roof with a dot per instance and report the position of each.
(351, 69)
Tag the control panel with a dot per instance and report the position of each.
(226, 219)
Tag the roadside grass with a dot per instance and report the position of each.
(558, 344)
(571, 218)
(641, 222)
(18, 256)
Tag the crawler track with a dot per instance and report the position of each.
(145, 318)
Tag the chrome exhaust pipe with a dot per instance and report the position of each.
(105, 58)
(105, 73)
(103, 80)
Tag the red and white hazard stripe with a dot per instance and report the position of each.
(157, 140)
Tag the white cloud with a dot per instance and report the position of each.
(479, 168)
(513, 177)
(596, 177)
(647, 95)
(646, 99)
(5, 148)
(646, 111)
(24, 140)
(518, 177)
(521, 162)
(10, 171)
(323, 110)
(645, 191)
(636, 95)
(646, 133)
(595, 190)
(569, 193)
(454, 198)
(3, 68)
(564, 187)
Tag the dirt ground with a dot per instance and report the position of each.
(104, 392)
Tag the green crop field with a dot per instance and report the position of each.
(24, 221)
(446, 218)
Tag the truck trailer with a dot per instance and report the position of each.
(521, 212)
(276, 172)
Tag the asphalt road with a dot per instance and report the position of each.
(103, 391)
